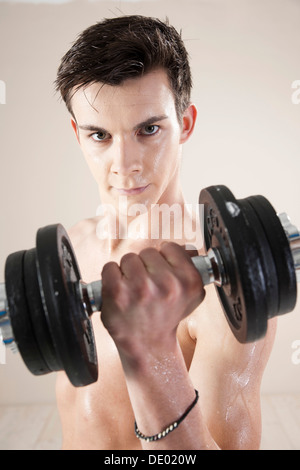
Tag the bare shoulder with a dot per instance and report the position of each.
(83, 230)
(89, 249)
(228, 374)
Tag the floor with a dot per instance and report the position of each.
(37, 427)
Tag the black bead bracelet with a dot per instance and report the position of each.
(170, 428)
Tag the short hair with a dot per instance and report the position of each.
(117, 49)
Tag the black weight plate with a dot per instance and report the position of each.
(37, 313)
(70, 327)
(19, 315)
(268, 263)
(243, 296)
(287, 284)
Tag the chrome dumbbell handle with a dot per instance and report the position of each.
(91, 296)
(293, 237)
(6, 333)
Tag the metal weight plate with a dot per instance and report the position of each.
(37, 312)
(70, 327)
(287, 284)
(243, 297)
(19, 315)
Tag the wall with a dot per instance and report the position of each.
(244, 56)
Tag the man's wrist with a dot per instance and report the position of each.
(145, 360)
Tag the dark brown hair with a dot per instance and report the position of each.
(116, 49)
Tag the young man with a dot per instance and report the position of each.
(169, 366)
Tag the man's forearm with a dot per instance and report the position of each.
(144, 301)
(161, 392)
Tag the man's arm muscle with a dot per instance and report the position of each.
(228, 376)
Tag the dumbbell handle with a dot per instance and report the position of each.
(210, 268)
(6, 333)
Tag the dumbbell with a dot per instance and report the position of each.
(252, 257)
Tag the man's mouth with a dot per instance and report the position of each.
(132, 191)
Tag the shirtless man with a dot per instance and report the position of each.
(126, 82)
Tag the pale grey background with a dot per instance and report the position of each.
(245, 57)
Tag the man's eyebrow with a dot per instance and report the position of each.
(150, 121)
(147, 122)
(92, 128)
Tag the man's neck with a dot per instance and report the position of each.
(150, 226)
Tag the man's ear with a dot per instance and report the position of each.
(188, 122)
(74, 125)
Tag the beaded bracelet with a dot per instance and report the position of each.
(169, 429)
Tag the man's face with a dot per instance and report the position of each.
(131, 138)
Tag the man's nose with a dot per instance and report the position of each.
(126, 158)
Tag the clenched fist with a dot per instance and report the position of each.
(146, 297)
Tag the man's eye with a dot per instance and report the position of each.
(149, 130)
(100, 136)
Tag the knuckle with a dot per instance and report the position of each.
(148, 252)
(170, 244)
(128, 258)
(108, 266)
(168, 247)
(108, 272)
(173, 247)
